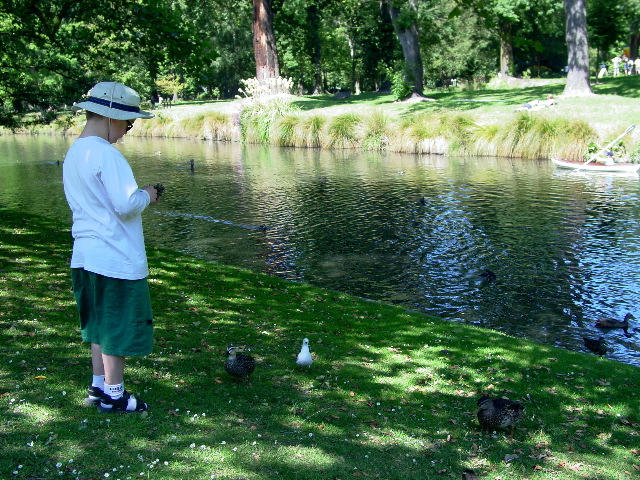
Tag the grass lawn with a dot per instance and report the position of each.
(610, 112)
(391, 393)
(472, 122)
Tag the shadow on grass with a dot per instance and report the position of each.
(327, 101)
(391, 393)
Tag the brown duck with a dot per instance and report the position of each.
(499, 413)
(598, 345)
(239, 365)
(613, 323)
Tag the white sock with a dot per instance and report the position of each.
(98, 381)
(114, 391)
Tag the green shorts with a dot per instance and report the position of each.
(115, 314)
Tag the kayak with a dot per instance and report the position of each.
(596, 167)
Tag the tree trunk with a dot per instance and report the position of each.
(407, 32)
(355, 84)
(314, 47)
(506, 48)
(634, 42)
(577, 49)
(264, 42)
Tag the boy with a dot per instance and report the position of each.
(109, 263)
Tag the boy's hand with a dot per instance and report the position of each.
(159, 189)
(153, 193)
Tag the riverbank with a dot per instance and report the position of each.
(391, 393)
(475, 122)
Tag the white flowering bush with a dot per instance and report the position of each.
(253, 88)
(265, 102)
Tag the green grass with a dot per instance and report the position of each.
(391, 393)
(374, 121)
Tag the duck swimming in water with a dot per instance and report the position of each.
(598, 346)
(613, 323)
(488, 275)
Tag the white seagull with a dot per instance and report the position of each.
(304, 357)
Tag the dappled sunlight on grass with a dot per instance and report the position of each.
(391, 393)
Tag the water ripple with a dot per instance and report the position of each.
(563, 246)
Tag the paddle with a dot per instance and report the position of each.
(607, 147)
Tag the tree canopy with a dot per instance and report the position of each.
(53, 51)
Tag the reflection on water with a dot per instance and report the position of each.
(411, 230)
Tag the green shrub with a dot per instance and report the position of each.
(400, 88)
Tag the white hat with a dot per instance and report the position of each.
(113, 100)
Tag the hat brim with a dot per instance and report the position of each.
(114, 113)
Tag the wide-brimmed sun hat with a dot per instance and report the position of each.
(113, 100)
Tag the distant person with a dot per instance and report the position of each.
(603, 70)
(109, 263)
(637, 64)
(534, 105)
(616, 65)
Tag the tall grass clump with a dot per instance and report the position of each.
(420, 134)
(459, 130)
(311, 131)
(343, 131)
(285, 131)
(264, 104)
(485, 140)
(193, 125)
(537, 136)
(376, 128)
(218, 126)
(512, 134)
(576, 136)
(155, 127)
(259, 115)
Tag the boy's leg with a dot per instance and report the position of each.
(113, 369)
(96, 359)
(96, 390)
(116, 398)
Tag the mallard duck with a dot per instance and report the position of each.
(499, 413)
(469, 475)
(489, 275)
(239, 365)
(304, 357)
(598, 346)
(613, 323)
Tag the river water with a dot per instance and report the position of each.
(413, 230)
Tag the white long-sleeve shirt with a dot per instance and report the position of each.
(107, 205)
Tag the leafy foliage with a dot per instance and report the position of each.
(400, 87)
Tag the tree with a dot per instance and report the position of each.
(634, 30)
(404, 19)
(454, 46)
(504, 19)
(53, 51)
(607, 23)
(264, 42)
(577, 49)
(514, 23)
